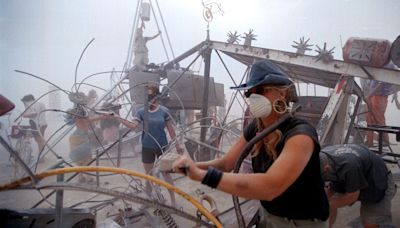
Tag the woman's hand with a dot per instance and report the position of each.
(187, 167)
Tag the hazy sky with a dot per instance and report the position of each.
(46, 37)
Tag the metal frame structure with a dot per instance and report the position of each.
(301, 68)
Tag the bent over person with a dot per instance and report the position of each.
(357, 174)
(286, 177)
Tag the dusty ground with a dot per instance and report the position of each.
(26, 198)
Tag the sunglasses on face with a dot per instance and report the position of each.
(257, 90)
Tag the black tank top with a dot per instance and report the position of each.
(305, 198)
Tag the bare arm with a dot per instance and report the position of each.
(341, 200)
(153, 37)
(396, 100)
(29, 112)
(29, 115)
(172, 135)
(284, 171)
(329, 192)
(129, 124)
(97, 118)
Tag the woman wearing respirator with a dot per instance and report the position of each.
(286, 177)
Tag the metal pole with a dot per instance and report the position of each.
(380, 142)
(204, 109)
(119, 154)
(146, 111)
(132, 42)
(97, 164)
(59, 202)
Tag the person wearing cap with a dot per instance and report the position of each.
(34, 111)
(286, 178)
(155, 141)
(354, 173)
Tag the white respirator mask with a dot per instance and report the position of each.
(259, 105)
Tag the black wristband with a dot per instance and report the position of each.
(212, 177)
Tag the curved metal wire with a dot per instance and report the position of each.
(39, 176)
(35, 76)
(98, 73)
(124, 196)
(77, 65)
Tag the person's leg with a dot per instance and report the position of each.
(41, 141)
(148, 158)
(43, 129)
(147, 169)
(36, 137)
(332, 216)
(376, 214)
(370, 121)
(379, 105)
(167, 177)
(89, 178)
(82, 176)
(169, 180)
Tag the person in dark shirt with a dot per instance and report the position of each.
(286, 177)
(354, 173)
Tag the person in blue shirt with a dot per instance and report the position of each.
(154, 141)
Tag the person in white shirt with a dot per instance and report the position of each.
(37, 119)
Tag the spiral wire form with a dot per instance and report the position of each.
(134, 184)
(53, 172)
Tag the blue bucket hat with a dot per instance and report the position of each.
(265, 72)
